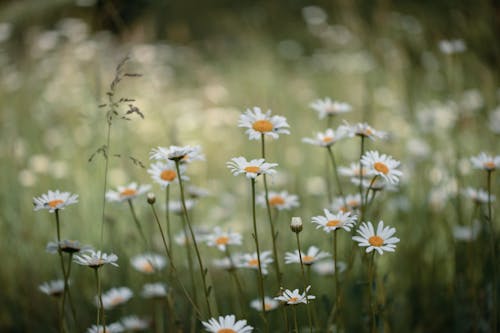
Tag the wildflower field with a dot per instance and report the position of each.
(256, 166)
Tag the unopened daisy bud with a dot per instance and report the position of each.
(296, 224)
(151, 198)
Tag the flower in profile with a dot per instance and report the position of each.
(95, 259)
(382, 165)
(353, 171)
(485, 162)
(295, 297)
(251, 169)
(327, 107)
(154, 290)
(127, 192)
(165, 173)
(53, 288)
(349, 203)
(227, 324)
(148, 263)
(221, 239)
(54, 200)
(134, 323)
(327, 267)
(312, 255)
(194, 154)
(328, 138)
(380, 241)
(67, 245)
(279, 200)
(174, 153)
(452, 46)
(259, 123)
(366, 131)
(269, 304)
(251, 260)
(115, 297)
(478, 196)
(111, 328)
(331, 222)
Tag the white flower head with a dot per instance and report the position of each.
(53, 288)
(380, 241)
(115, 297)
(67, 246)
(279, 200)
(134, 323)
(331, 222)
(221, 239)
(95, 259)
(478, 196)
(175, 206)
(327, 107)
(154, 290)
(251, 169)
(259, 123)
(329, 137)
(227, 324)
(54, 200)
(269, 304)
(310, 257)
(327, 267)
(295, 297)
(366, 131)
(175, 153)
(251, 260)
(111, 328)
(485, 162)
(382, 165)
(165, 173)
(452, 46)
(148, 263)
(127, 192)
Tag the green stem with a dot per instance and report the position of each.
(106, 168)
(493, 257)
(295, 319)
(305, 283)
(63, 299)
(362, 151)
(137, 223)
(371, 297)
(234, 275)
(335, 172)
(68, 273)
(167, 219)
(159, 317)
(100, 309)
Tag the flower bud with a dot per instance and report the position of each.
(296, 224)
(151, 198)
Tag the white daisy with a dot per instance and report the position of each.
(269, 304)
(452, 46)
(227, 324)
(53, 288)
(331, 222)
(365, 130)
(134, 323)
(154, 290)
(95, 259)
(353, 171)
(175, 206)
(279, 200)
(353, 202)
(115, 297)
(222, 239)
(382, 165)
(54, 200)
(327, 107)
(485, 162)
(194, 154)
(174, 153)
(250, 260)
(111, 328)
(66, 245)
(479, 196)
(224, 263)
(294, 297)
(380, 241)
(251, 169)
(327, 267)
(165, 173)
(328, 138)
(148, 263)
(127, 192)
(259, 123)
(312, 255)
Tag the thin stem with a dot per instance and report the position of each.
(336, 274)
(203, 271)
(100, 309)
(335, 172)
(305, 283)
(493, 257)
(106, 168)
(68, 273)
(167, 218)
(362, 151)
(371, 297)
(234, 274)
(137, 223)
(159, 317)
(63, 299)
(295, 319)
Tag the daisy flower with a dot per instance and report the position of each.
(148, 263)
(279, 200)
(294, 297)
(479, 196)
(259, 123)
(327, 267)
(269, 304)
(53, 288)
(327, 107)
(222, 239)
(165, 173)
(366, 131)
(251, 169)
(134, 323)
(452, 46)
(328, 138)
(353, 171)
(154, 290)
(382, 165)
(353, 202)
(111, 328)
(54, 200)
(250, 260)
(227, 324)
(331, 222)
(115, 297)
(380, 241)
(485, 162)
(174, 153)
(312, 255)
(66, 245)
(128, 192)
(95, 259)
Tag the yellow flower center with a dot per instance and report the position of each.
(147, 267)
(128, 192)
(376, 241)
(252, 169)
(327, 139)
(168, 175)
(381, 167)
(263, 126)
(276, 200)
(293, 299)
(268, 307)
(333, 223)
(117, 300)
(344, 209)
(253, 262)
(307, 259)
(223, 240)
(55, 203)
(489, 165)
(226, 330)
(368, 132)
